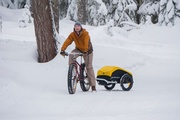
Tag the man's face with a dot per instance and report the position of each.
(77, 28)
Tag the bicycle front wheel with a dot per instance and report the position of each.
(72, 79)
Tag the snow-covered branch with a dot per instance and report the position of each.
(130, 23)
(130, 7)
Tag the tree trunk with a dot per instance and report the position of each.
(138, 16)
(63, 8)
(82, 11)
(43, 23)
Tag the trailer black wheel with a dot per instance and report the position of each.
(126, 82)
(110, 86)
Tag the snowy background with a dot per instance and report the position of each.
(38, 91)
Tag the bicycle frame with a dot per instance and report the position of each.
(78, 66)
(77, 72)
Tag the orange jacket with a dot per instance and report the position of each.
(81, 41)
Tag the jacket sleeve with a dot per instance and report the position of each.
(86, 42)
(67, 42)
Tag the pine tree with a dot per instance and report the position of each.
(149, 11)
(7, 4)
(92, 12)
(138, 16)
(177, 11)
(97, 13)
(25, 18)
(19, 3)
(82, 11)
(167, 13)
(125, 12)
(13, 4)
(45, 29)
(72, 10)
(63, 8)
(111, 8)
(177, 8)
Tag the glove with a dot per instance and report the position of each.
(63, 53)
(85, 53)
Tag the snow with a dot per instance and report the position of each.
(163, 2)
(149, 8)
(178, 4)
(8, 17)
(38, 91)
(25, 18)
(102, 9)
(114, 2)
(170, 9)
(72, 11)
(130, 7)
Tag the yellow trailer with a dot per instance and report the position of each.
(109, 76)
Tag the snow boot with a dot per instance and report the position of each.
(93, 89)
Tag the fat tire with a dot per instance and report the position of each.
(70, 82)
(85, 82)
(83, 86)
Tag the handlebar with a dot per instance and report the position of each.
(80, 54)
(75, 55)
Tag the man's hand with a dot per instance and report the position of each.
(63, 53)
(85, 53)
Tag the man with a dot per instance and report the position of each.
(83, 44)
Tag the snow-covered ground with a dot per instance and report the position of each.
(38, 91)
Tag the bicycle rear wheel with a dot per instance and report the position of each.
(85, 82)
(72, 79)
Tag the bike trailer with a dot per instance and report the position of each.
(109, 76)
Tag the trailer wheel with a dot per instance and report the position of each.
(126, 82)
(110, 86)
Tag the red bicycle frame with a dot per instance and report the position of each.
(79, 67)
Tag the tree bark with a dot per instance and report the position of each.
(43, 24)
